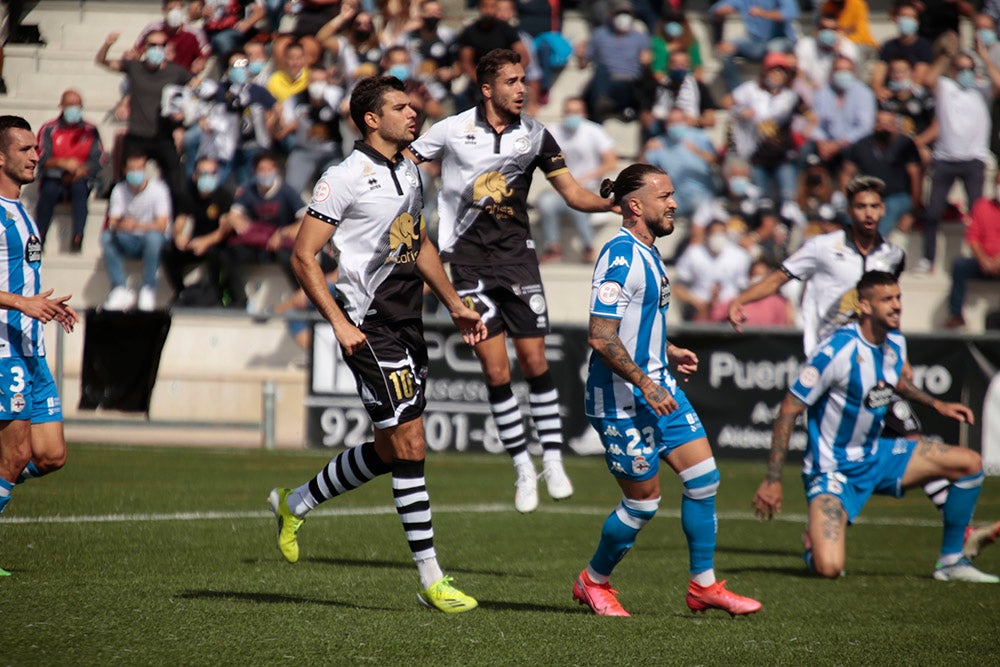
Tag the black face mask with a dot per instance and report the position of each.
(362, 35)
(431, 24)
(882, 136)
(814, 180)
(487, 22)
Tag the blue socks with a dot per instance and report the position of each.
(619, 532)
(30, 471)
(5, 489)
(701, 481)
(957, 511)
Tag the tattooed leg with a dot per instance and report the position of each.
(828, 534)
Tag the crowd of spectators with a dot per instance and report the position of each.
(242, 104)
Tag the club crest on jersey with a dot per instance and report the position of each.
(322, 192)
(33, 249)
(368, 172)
(608, 293)
(878, 396)
(522, 145)
(402, 235)
(411, 178)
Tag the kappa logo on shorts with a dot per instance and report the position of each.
(615, 450)
(612, 432)
(617, 467)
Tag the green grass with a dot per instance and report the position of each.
(215, 591)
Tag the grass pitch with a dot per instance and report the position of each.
(150, 556)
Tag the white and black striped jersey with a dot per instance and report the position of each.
(485, 177)
(375, 204)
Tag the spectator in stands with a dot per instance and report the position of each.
(689, 155)
(590, 155)
(138, 214)
(673, 33)
(259, 68)
(187, 48)
(478, 38)
(983, 238)
(292, 75)
(426, 94)
(430, 45)
(313, 119)
(261, 227)
(852, 17)
(913, 104)
(770, 27)
(241, 122)
(845, 112)
(299, 304)
(986, 34)
(818, 191)
(542, 20)
(6, 24)
(230, 23)
(762, 115)
(892, 157)
(196, 237)
(506, 11)
(773, 311)
(962, 110)
(680, 90)
(70, 154)
(621, 58)
(399, 17)
(308, 19)
(710, 274)
(356, 50)
(754, 216)
(816, 53)
(149, 133)
(940, 18)
(909, 46)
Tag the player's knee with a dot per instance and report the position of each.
(972, 462)
(827, 568)
(49, 462)
(701, 480)
(637, 513)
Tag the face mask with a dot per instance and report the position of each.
(622, 22)
(72, 114)
(814, 180)
(238, 75)
(739, 185)
(207, 183)
(966, 78)
(401, 72)
(716, 243)
(431, 23)
(572, 121)
(316, 90)
(827, 37)
(986, 37)
(255, 67)
(770, 85)
(907, 25)
(136, 177)
(842, 80)
(756, 279)
(155, 55)
(882, 136)
(674, 30)
(266, 179)
(902, 84)
(677, 75)
(362, 35)
(175, 18)
(676, 132)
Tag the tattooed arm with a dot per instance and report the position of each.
(609, 347)
(956, 411)
(767, 500)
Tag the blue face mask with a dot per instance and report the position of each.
(739, 185)
(207, 183)
(842, 80)
(674, 30)
(907, 25)
(966, 78)
(677, 132)
(238, 75)
(677, 75)
(155, 55)
(401, 72)
(902, 84)
(72, 114)
(986, 37)
(572, 121)
(827, 37)
(135, 177)
(255, 67)
(266, 179)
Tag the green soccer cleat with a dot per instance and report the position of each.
(288, 524)
(445, 597)
(4, 573)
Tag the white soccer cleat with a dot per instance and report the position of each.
(147, 299)
(977, 539)
(120, 298)
(556, 480)
(963, 570)
(526, 488)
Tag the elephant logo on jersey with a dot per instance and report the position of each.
(849, 305)
(492, 184)
(878, 396)
(402, 234)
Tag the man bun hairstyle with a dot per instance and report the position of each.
(368, 96)
(629, 180)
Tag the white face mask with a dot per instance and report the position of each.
(316, 89)
(622, 22)
(175, 17)
(716, 243)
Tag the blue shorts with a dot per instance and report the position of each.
(885, 477)
(27, 391)
(633, 446)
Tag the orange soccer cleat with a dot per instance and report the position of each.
(700, 598)
(599, 597)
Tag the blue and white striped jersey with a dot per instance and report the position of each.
(630, 285)
(20, 273)
(847, 384)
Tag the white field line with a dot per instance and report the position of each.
(438, 509)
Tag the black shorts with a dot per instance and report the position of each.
(509, 297)
(391, 372)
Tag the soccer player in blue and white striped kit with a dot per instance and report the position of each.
(635, 405)
(845, 389)
(31, 433)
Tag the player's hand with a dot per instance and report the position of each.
(660, 400)
(684, 359)
(767, 500)
(45, 309)
(736, 316)
(470, 323)
(956, 411)
(350, 338)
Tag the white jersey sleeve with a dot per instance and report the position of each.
(430, 146)
(804, 261)
(829, 366)
(332, 195)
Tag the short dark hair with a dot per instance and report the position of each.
(135, 154)
(860, 184)
(368, 96)
(264, 155)
(872, 279)
(11, 123)
(490, 64)
(629, 180)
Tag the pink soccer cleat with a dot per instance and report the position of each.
(701, 598)
(599, 597)
(977, 539)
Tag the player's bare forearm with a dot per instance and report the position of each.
(432, 270)
(781, 436)
(609, 347)
(313, 235)
(910, 392)
(574, 194)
